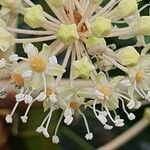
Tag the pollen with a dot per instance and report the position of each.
(17, 79)
(139, 75)
(106, 90)
(49, 91)
(74, 105)
(37, 64)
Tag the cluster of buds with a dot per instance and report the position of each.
(79, 29)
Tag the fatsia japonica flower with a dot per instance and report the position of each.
(78, 28)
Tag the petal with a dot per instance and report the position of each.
(55, 70)
(86, 92)
(36, 81)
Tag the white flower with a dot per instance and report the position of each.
(9, 119)
(89, 136)
(55, 139)
(2, 63)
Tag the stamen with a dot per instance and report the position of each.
(89, 135)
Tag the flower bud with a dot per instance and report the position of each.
(128, 56)
(142, 26)
(34, 16)
(95, 45)
(6, 39)
(56, 3)
(126, 8)
(101, 27)
(67, 33)
(11, 4)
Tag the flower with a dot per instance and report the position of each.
(6, 39)
(79, 30)
(34, 16)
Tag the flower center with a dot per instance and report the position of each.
(49, 91)
(106, 90)
(37, 64)
(17, 79)
(139, 75)
(74, 105)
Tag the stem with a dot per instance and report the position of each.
(32, 32)
(39, 39)
(126, 136)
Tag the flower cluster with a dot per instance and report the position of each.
(79, 28)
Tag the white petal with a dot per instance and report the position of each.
(27, 74)
(2, 63)
(13, 57)
(53, 60)
(99, 94)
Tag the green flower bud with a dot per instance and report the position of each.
(92, 41)
(11, 4)
(128, 56)
(147, 113)
(101, 27)
(67, 33)
(34, 16)
(56, 3)
(6, 39)
(95, 45)
(82, 68)
(126, 8)
(142, 26)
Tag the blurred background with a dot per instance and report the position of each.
(23, 136)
